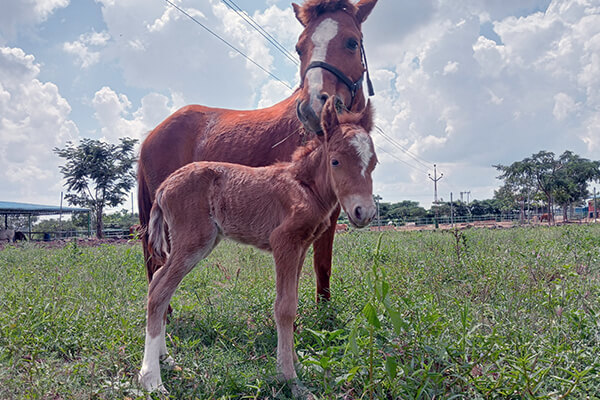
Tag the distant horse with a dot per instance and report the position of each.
(20, 236)
(281, 208)
(8, 235)
(545, 217)
(332, 64)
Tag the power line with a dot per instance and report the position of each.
(229, 45)
(250, 21)
(399, 159)
(418, 159)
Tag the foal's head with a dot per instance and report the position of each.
(330, 50)
(351, 159)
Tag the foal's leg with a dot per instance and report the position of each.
(288, 259)
(166, 280)
(323, 252)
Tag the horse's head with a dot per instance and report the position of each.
(331, 56)
(351, 159)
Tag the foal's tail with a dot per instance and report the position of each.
(157, 230)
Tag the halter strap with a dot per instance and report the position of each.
(353, 86)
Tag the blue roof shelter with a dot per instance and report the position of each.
(13, 208)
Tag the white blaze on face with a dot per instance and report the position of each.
(321, 37)
(362, 144)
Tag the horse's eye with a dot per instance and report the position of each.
(299, 51)
(335, 162)
(352, 44)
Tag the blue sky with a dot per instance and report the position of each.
(463, 84)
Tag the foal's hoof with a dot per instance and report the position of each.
(152, 385)
(168, 363)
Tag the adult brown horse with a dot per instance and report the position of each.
(331, 55)
(280, 208)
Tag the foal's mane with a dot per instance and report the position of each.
(345, 119)
(313, 8)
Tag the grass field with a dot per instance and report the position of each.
(422, 315)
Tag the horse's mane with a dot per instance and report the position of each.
(313, 8)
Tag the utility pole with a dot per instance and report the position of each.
(435, 180)
(377, 198)
(451, 210)
(595, 206)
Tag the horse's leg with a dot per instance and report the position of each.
(323, 251)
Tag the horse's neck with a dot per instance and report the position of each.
(312, 171)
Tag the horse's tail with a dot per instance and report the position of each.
(157, 233)
(144, 207)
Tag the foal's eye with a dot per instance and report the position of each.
(352, 44)
(335, 162)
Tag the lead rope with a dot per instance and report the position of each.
(364, 57)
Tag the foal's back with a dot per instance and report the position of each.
(238, 202)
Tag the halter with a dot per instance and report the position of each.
(353, 86)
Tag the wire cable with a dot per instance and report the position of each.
(418, 159)
(250, 21)
(401, 160)
(229, 45)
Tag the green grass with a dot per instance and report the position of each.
(469, 314)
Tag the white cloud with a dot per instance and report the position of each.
(116, 118)
(34, 118)
(564, 105)
(163, 50)
(21, 15)
(463, 100)
(82, 48)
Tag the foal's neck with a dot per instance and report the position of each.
(312, 171)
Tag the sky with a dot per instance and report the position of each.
(463, 84)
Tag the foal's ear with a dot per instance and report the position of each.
(297, 10)
(329, 118)
(366, 119)
(364, 9)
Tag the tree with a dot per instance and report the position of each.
(98, 174)
(564, 179)
(573, 178)
(538, 171)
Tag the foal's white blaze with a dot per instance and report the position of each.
(362, 144)
(321, 37)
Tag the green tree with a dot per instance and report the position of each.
(564, 179)
(573, 178)
(98, 174)
(121, 219)
(405, 210)
(537, 171)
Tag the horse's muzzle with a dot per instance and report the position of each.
(308, 117)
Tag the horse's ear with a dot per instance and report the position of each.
(364, 9)
(297, 11)
(366, 120)
(329, 118)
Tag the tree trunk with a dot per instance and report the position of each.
(99, 224)
(565, 213)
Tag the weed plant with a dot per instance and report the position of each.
(473, 314)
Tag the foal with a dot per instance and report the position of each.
(282, 208)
